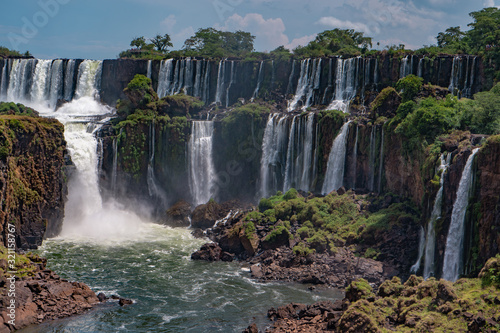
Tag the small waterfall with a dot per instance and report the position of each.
(69, 76)
(307, 156)
(114, 168)
(452, 265)
(41, 81)
(420, 70)
(381, 163)
(355, 158)
(470, 77)
(20, 79)
(430, 239)
(421, 248)
(260, 77)
(153, 188)
(197, 78)
(273, 161)
(345, 84)
(406, 67)
(375, 74)
(334, 176)
(455, 75)
(231, 81)
(89, 74)
(371, 161)
(290, 156)
(220, 81)
(201, 166)
(301, 85)
(329, 87)
(56, 83)
(188, 77)
(289, 87)
(3, 82)
(150, 69)
(164, 78)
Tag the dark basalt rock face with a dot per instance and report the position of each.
(33, 170)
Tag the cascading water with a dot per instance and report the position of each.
(164, 81)
(221, 73)
(381, 163)
(421, 248)
(88, 75)
(3, 82)
(69, 80)
(420, 69)
(334, 175)
(154, 189)
(150, 69)
(231, 81)
(201, 166)
(289, 87)
(260, 77)
(371, 161)
(273, 161)
(452, 265)
(309, 80)
(406, 67)
(430, 239)
(346, 84)
(41, 81)
(355, 159)
(56, 83)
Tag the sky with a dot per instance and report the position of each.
(101, 29)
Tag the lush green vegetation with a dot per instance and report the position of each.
(16, 109)
(5, 53)
(336, 42)
(421, 306)
(322, 224)
(210, 42)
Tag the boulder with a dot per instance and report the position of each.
(205, 216)
(178, 214)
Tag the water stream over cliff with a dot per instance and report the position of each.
(453, 261)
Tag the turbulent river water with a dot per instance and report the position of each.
(171, 292)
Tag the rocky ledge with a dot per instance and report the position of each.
(278, 241)
(40, 294)
(468, 305)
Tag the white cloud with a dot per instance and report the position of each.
(332, 22)
(178, 36)
(302, 41)
(269, 33)
(490, 3)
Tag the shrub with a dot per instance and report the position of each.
(409, 86)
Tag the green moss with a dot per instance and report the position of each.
(302, 250)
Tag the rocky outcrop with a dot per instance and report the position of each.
(178, 214)
(422, 306)
(40, 296)
(33, 171)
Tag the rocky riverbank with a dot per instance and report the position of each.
(468, 305)
(39, 294)
(286, 239)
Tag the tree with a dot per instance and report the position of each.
(451, 37)
(138, 42)
(215, 43)
(485, 30)
(336, 41)
(161, 43)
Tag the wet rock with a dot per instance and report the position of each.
(208, 252)
(205, 216)
(125, 301)
(178, 214)
(101, 297)
(251, 329)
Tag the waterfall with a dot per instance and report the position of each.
(197, 79)
(421, 248)
(230, 83)
(289, 87)
(452, 265)
(69, 80)
(455, 75)
(381, 162)
(274, 148)
(20, 79)
(406, 67)
(301, 85)
(201, 165)
(154, 190)
(334, 176)
(345, 84)
(371, 161)
(56, 83)
(150, 69)
(164, 78)
(355, 158)
(307, 156)
(260, 77)
(420, 69)
(329, 87)
(220, 81)
(41, 81)
(88, 77)
(3, 82)
(114, 168)
(288, 183)
(430, 238)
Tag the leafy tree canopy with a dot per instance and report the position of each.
(336, 42)
(215, 43)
